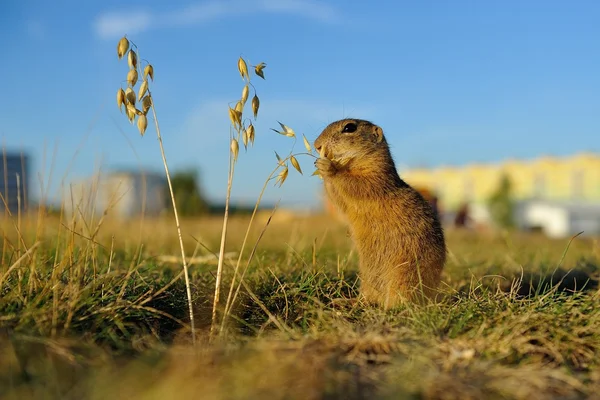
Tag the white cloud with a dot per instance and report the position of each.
(112, 25)
(311, 9)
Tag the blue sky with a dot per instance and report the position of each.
(449, 82)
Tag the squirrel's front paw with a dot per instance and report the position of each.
(325, 166)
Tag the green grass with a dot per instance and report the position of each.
(519, 317)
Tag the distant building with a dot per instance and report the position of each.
(559, 219)
(14, 181)
(121, 193)
(558, 195)
(575, 178)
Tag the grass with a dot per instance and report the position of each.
(97, 308)
(107, 318)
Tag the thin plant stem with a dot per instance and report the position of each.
(19, 213)
(252, 253)
(5, 196)
(237, 266)
(183, 258)
(17, 263)
(222, 248)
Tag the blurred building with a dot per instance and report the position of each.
(560, 195)
(120, 193)
(559, 219)
(545, 178)
(14, 181)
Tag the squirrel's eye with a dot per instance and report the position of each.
(350, 127)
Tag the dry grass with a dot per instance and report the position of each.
(69, 328)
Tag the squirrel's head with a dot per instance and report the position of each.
(351, 139)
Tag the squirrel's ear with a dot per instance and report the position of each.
(378, 132)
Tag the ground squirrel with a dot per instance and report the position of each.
(397, 234)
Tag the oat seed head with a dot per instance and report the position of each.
(306, 144)
(296, 164)
(322, 152)
(258, 70)
(239, 106)
(250, 133)
(142, 124)
(235, 117)
(143, 89)
(149, 71)
(131, 111)
(282, 176)
(255, 105)
(235, 148)
(232, 116)
(245, 93)
(132, 77)
(120, 98)
(245, 138)
(122, 47)
(130, 96)
(287, 131)
(146, 104)
(243, 68)
(132, 59)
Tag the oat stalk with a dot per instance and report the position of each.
(127, 98)
(231, 300)
(247, 136)
(232, 295)
(183, 258)
(222, 246)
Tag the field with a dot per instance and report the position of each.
(98, 310)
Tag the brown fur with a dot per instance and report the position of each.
(398, 236)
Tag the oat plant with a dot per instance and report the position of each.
(127, 98)
(240, 130)
(243, 130)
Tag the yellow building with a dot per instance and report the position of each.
(549, 178)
